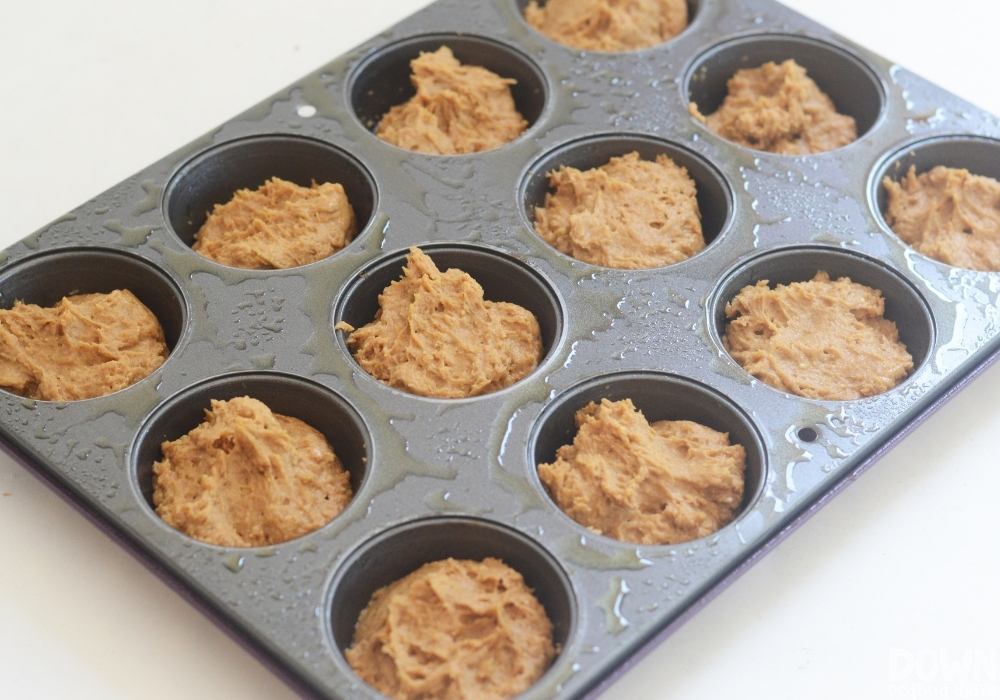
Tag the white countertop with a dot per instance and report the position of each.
(904, 565)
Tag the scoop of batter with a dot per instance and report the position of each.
(247, 477)
(278, 225)
(778, 108)
(609, 25)
(453, 630)
(659, 483)
(948, 214)
(457, 109)
(87, 345)
(628, 213)
(434, 335)
(819, 339)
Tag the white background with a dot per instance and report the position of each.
(906, 558)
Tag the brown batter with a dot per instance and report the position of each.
(818, 339)
(660, 483)
(453, 630)
(434, 335)
(457, 109)
(247, 477)
(778, 108)
(277, 226)
(627, 214)
(948, 214)
(609, 25)
(87, 345)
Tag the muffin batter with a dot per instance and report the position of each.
(627, 214)
(277, 226)
(434, 335)
(457, 109)
(453, 630)
(247, 477)
(660, 483)
(778, 108)
(87, 345)
(819, 339)
(948, 214)
(609, 25)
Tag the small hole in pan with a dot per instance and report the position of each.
(807, 434)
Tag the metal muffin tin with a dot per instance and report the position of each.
(438, 478)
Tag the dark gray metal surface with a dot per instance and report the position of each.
(472, 460)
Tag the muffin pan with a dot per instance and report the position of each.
(437, 478)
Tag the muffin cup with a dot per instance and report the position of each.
(399, 551)
(213, 177)
(852, 84)
(382, 80)
(904, 305)
(285, 395)
(659, 396)
(715, 197)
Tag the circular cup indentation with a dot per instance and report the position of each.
(382, 81)
(502, 277)
(213, 177)
(311, 403)
(693, 7)
(977, 154)
(46, 278)
(903, 303)
(393, 554)
(660, 397)
(715, 198)
(854, 87)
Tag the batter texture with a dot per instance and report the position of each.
(457, 109)
(659, 483)
(609, 25)
(628, 213)
(778, 108)
(948, 214)
(278, 225)
(87, 345)
(453, 630)
(434, 335)
(819, 339)
(247, 477)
